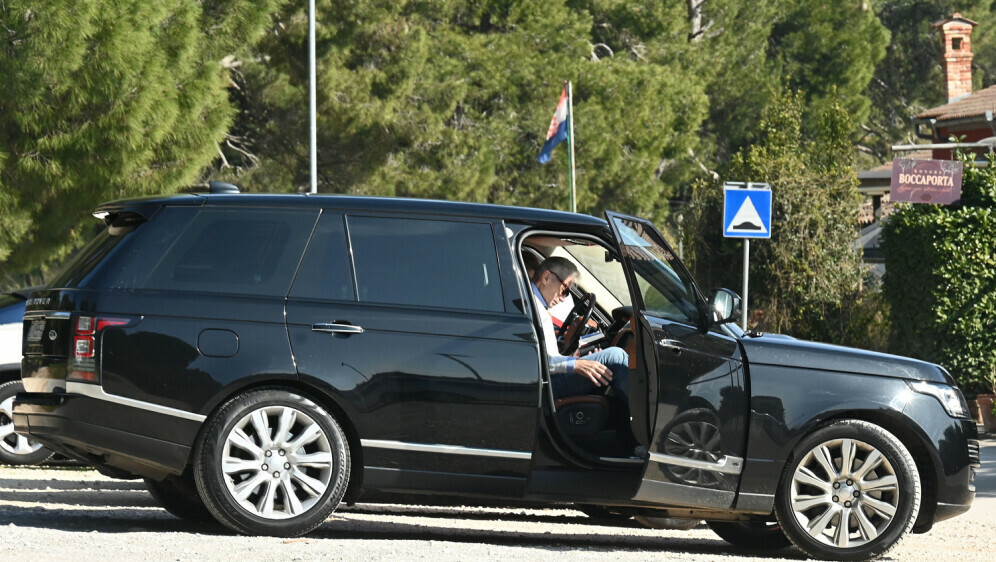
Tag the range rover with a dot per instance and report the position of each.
(259, 359)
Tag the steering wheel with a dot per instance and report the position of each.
(576, 321)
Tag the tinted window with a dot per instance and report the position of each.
(241, 251)
(119, 257)
(325, 272)
(426, 263)
(132, 262)
(665, 286)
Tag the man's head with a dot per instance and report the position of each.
(553, 278)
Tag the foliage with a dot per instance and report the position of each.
(103, 99)
(941, 278)
(452, 99)
(806, 279)
(828, 52)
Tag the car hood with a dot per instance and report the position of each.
(789, 352)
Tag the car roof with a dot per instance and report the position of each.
(356, 203)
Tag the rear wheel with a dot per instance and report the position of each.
(851, 492)
(762, 535)
(14, 448)
(272, 462)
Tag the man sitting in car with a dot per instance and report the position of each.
(571, 375)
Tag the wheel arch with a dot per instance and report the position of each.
(320, 394)
(909, 434)
(903, 428)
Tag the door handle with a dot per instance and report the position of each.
(337, 328)
(674, 345)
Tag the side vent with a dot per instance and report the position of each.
(222, 187)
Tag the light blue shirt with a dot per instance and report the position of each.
(558, 363)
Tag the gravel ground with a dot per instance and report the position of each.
(65, 513)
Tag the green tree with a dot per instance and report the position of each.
(103, 99)
(806, 277)
(452, 100)
(828, 52)
(941, 279)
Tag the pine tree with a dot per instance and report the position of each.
(452, 100)
(103, 99)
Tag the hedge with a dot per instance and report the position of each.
(940, 279)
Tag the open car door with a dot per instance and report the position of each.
(687, 396)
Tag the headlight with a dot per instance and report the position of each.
(951, 398)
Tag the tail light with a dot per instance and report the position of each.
(84, 368)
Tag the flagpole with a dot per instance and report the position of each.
(570, 141)
(312, 97)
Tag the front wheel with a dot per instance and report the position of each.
(851, 492)
(272, 462)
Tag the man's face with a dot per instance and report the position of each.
(553, 288)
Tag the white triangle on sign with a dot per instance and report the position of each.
(747, 219)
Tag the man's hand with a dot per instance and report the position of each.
(593, 371)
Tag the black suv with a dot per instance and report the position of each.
(261, 358)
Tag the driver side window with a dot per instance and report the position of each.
(666, 289)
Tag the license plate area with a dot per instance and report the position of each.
(36, 331)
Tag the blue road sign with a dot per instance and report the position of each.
(746, 212)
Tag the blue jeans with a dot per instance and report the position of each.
(573, 384)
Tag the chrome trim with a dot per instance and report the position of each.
(444, 449)
(32, 315)
(97, 392)
(337, 328)
(725, 465)
(621, 460)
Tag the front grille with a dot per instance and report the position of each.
(973, 453)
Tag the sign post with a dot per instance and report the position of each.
(746, 214)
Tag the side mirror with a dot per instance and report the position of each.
(725, 306)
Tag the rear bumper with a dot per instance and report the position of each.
(105, 434)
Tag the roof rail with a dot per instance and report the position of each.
(222, 187)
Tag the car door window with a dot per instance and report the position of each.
(433, 263)
(665, 287)
(325, 273)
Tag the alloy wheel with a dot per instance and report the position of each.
(845, 493)
(277, 462)
(12, 443)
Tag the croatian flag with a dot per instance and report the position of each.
(558, 128)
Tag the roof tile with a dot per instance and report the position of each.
(973, 105)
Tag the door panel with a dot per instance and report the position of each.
(428, 388)
(694, 398)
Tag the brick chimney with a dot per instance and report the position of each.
(957, 32)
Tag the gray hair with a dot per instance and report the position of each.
(563, 268)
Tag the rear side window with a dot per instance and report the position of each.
(253, 252)
(433, 263)
(122, 256)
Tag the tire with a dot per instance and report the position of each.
(14, 448)
(760, 535)
(178, 495)
(271, 462)
(851, 472)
